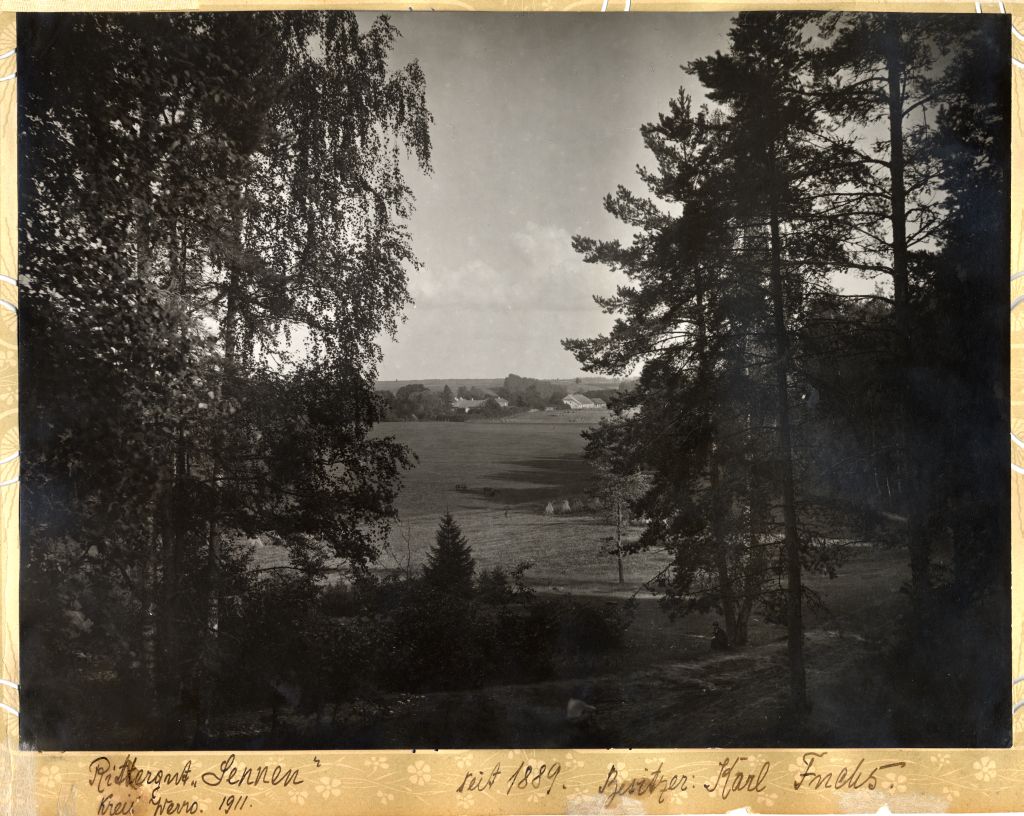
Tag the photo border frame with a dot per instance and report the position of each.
(428, 782)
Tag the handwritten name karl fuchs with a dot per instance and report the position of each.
(815, 777)
(814, 773)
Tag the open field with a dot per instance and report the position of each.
(510, 469)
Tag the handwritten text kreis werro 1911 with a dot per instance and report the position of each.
(118, 785)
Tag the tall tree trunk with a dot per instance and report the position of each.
(150, 594)
(757, 562)
(917, 538)
(215, 530)
(148, 580)
(171, 527)
(720, 545)
(208, 662)
(794, 577)
(618, 539)
(170, 673)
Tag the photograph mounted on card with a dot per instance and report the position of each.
(510, 413)
(514, 381)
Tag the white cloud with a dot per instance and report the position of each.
(492, 316)
(536, 270)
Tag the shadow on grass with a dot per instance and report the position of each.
(538, 480)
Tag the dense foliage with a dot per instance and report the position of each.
(213, 212)
(343, 660)
(783, 417)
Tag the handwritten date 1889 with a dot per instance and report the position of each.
(524, 777)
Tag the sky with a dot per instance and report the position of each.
(536, 118)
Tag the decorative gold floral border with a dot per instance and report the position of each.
(354, 782)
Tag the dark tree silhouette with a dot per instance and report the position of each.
(450, 566)
(228, 184)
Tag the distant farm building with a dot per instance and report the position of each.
(466, 405)
(502, 402)
(578, 402)
(598, 402)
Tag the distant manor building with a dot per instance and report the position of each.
(467, 405)
(578, 402)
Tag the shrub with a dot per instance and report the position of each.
(589, 627)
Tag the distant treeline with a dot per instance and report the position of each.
(418, 401)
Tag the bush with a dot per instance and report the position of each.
(493, 587)
(339, 601)
(589, 627)
(340, 644)
(496, 586)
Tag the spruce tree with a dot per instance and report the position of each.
(450, 565)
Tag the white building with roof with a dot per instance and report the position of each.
(578, 402)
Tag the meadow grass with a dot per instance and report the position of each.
(507, 473)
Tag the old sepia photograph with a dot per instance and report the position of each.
(454, 380)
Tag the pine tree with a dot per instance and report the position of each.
(786, 160)
(692, 319)
(449, 568)
(715, 316)
(965, 327)
(883, 71)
